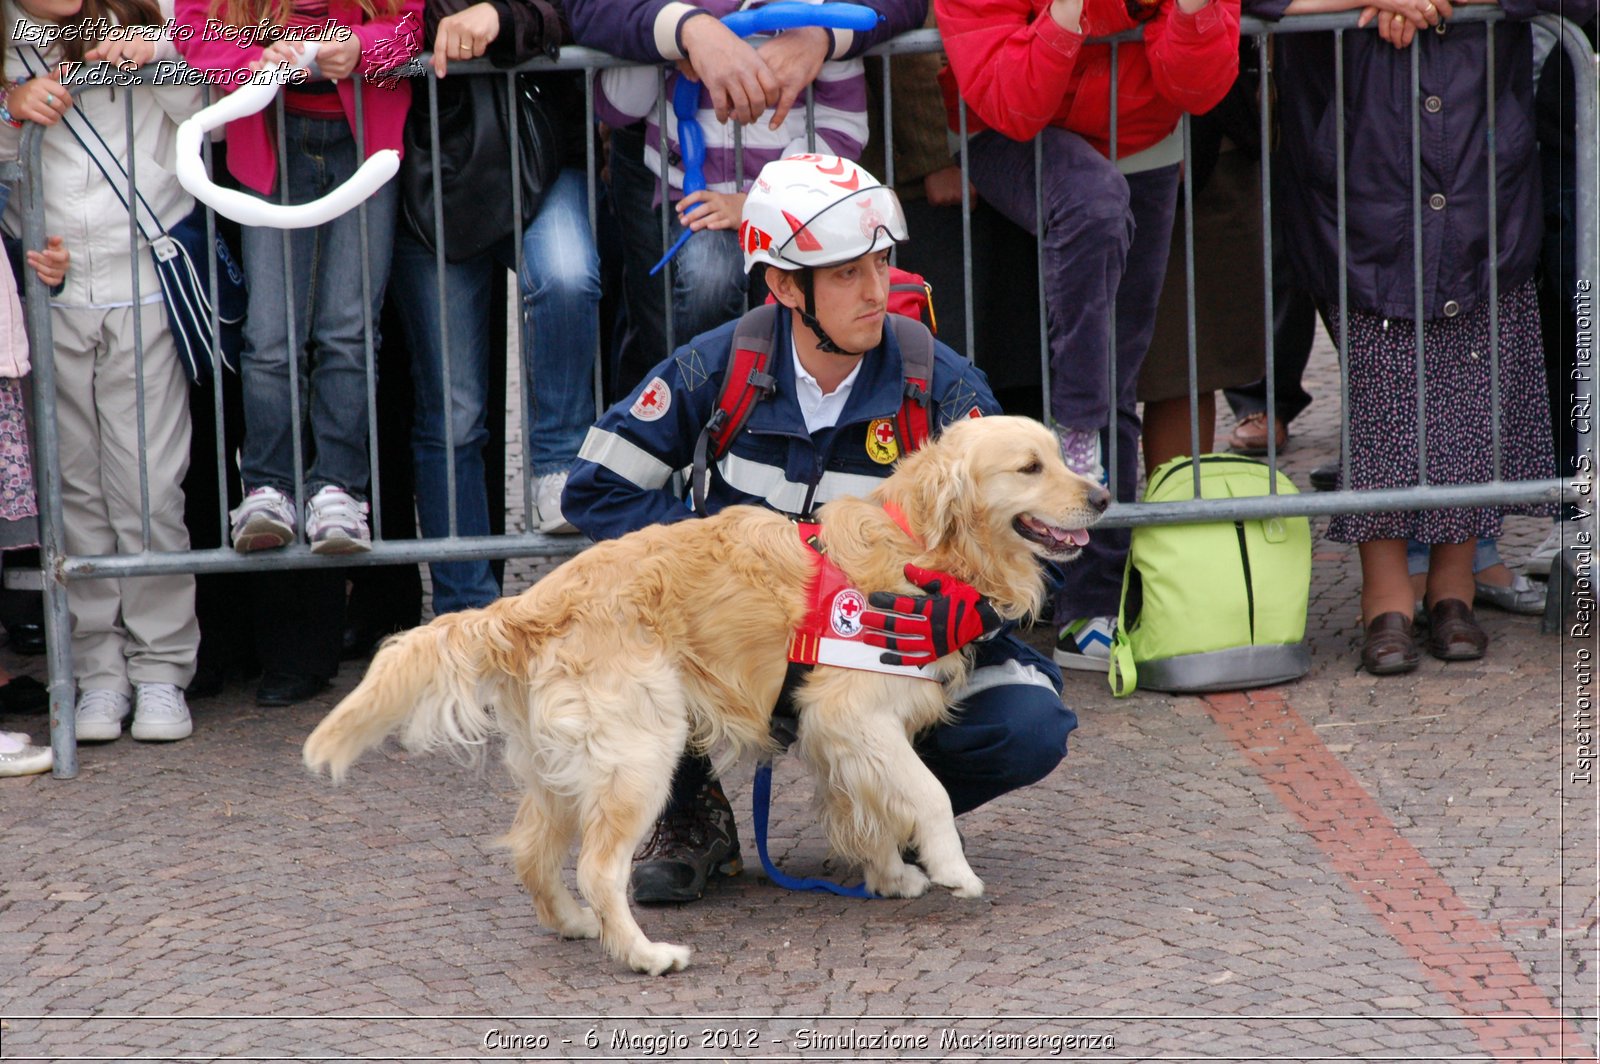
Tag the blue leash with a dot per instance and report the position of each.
(760, 801)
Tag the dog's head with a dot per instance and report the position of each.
(994, 490)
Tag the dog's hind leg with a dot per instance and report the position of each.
(539, 840)
(612, 831)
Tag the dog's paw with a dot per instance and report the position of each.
(584, 925)
(658, 958)
(970, 886)
(907, 881)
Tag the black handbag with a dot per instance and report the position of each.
(475, 142)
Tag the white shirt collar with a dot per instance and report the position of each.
(820, 411)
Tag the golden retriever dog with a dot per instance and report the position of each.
(599, 676)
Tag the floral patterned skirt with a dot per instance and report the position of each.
(1383, 415)
(19, 509)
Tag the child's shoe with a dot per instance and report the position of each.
(19, 757)
(1086, 644)
(336, 523)
(264, 520)
(100, 713)
(160, 714)
(1080, 449)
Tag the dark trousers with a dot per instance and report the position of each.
(1106, 239)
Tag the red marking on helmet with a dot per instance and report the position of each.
(803, 240)
(837, 168)
(850, 185)
(753, 239)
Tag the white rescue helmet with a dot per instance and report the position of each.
(817, 210)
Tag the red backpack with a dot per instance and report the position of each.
(747, 381)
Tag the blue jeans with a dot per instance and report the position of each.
(708, 280)
(329, 325)
(560, 293)
(1105, 243)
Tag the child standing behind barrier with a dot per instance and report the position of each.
(324, 269)
(135, 636)
(709, 283)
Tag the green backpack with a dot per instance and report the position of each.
(1219, 606)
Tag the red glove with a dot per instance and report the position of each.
(923, 628)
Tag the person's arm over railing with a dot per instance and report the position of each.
(1194, 52)
(1013, 69)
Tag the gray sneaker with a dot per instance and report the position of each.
(100, 713)
(160, 714)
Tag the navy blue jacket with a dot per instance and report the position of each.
(1455, 161)
(624, 472)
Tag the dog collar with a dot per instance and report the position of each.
(899, 517)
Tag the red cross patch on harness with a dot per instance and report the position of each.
(831, 633)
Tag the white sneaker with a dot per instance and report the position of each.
(100, 713)
(547, 497)
(19, 757)
(1086, 644)
(160, 714)
(336, 523)
(1544, 555)
(264, 520)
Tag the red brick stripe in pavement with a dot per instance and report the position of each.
(1460, 956)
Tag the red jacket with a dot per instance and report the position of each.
(1019, 71)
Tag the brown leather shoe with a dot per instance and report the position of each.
(1389, 648)
(1454, 633)
(1250, 434)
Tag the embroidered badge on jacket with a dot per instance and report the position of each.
(654, 402)
(882, 446)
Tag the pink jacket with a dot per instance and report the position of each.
(385, 42)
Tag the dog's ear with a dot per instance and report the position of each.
(937, 492)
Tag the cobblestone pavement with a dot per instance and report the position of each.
(1342, 868)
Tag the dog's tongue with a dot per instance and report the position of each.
(1078, 536)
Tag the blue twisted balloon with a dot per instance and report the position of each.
(784, 15)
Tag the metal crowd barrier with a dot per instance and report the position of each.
(61, 569)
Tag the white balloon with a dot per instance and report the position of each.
(246, 209)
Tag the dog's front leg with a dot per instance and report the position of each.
(879, 796)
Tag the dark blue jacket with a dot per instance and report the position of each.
(624, 472)
(1455, 161)
(649, 31)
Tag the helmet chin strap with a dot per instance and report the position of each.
(825, 342)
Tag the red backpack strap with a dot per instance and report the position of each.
(745, 384)
(916, 366)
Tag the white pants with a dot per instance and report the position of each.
(143, 629)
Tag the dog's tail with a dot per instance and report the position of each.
(431, 684)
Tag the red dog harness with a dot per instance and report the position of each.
(831, 632)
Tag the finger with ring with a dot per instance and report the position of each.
(49, 99)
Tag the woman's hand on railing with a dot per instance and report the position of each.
(129, 52)
(41, 99)
(464, 35)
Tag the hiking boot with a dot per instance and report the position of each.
(263, 521)
(1086, 644)
(547, 496)
(687, 847)
(336, 522)
(100, 713)
(1080, 449)
(160, 715)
